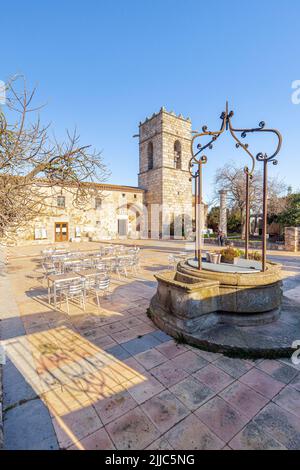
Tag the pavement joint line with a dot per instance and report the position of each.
(19, 403)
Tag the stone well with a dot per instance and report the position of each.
(188, 302)
(240, 290)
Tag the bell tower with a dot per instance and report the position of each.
(164, 155)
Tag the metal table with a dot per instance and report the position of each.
(54, 279)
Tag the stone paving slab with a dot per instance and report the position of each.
(215, 378)
(192, 434)
(134, 430)
(244, 399)
(262, 383)
(289, 399)
(281, 372)
(281, 425)
(16, 388)
(76, 426)
(29, 427)
(71, 383)
(164, 410)
(1, 410)
(98, 440)
(224, 420)
(192, 393)
(253, 437)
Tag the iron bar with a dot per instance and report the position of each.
(247, 221)
(196, 200)
(199, 215)
(265, 215)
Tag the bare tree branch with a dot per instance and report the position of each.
(30, 162)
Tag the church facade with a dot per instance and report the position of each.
(160, 206)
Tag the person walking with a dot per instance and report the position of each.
(219, 237)
(222, 238)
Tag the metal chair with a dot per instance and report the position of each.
(72, 267)
(101, 266)
(97, 284)
(131, 263)
(111, 265)
(73, 290)
(59, 287)
(50, 268)
(87, 263)
(46, 254)
(124, 265)
(136, 260)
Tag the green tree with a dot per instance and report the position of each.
(291, 215)
(213, 218)
(234, 221)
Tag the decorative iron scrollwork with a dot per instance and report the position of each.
(227, 125)
(198, 159)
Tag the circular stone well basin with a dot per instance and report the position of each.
(244, 266)
(225, 308)
(243, 287)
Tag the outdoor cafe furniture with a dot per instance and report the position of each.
(58, 257)
(88, 274)
(126, 263)
(48, 251)
(71, 265)
(57, 283)
(96, 282)
(101, 265)
(50, 268)
(74, 289)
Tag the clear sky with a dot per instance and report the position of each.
(105, 65)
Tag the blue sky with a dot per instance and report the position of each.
(105, 65)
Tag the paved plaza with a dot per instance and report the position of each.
(109, 379)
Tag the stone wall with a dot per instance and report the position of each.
(253, 244)
(163, 197)
(223, 212)
(89, 221)
(166, 186)
(292, 238)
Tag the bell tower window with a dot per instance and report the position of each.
(177, 155)
(150, 155)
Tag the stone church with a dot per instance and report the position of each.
(160, 206)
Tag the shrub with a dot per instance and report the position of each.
(209, 235)
(255, 255)
(229, 253)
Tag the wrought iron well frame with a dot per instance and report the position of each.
(198, 159)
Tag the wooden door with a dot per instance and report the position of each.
(61, 232)
(122, 227)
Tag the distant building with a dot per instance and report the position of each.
(161, 205)
(165, 152)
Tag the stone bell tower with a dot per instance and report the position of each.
(164, 155)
